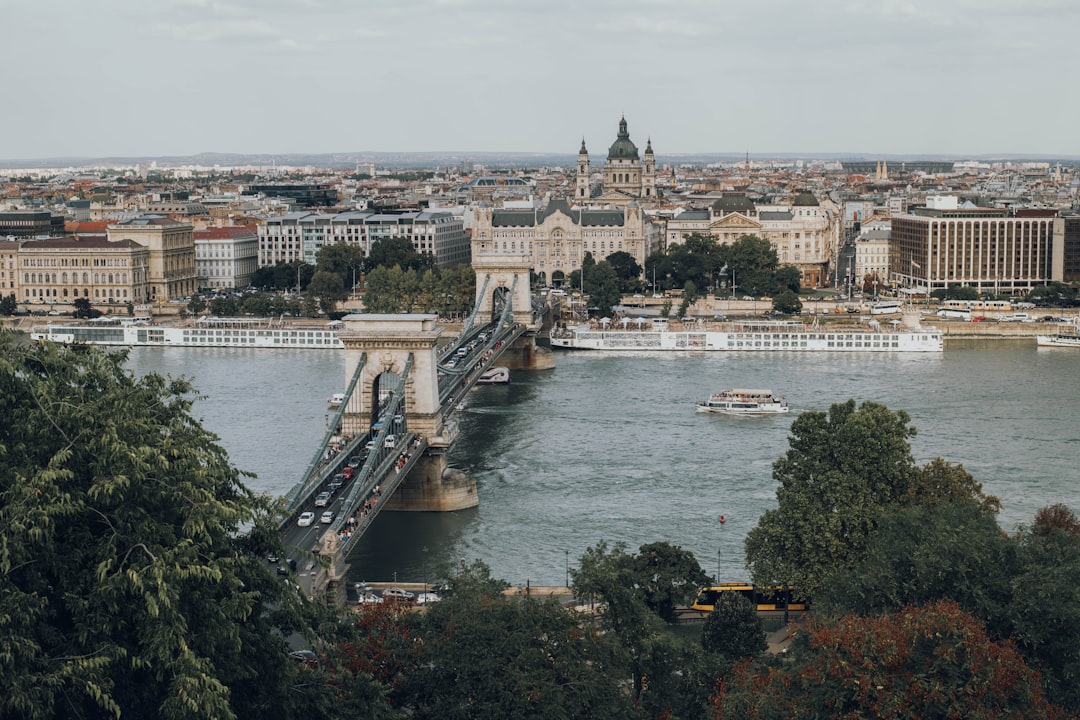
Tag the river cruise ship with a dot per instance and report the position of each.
(736, 401)
(764, 336)
(204, 332)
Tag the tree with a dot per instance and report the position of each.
(754, 262)
(788, 303)
(626, 270)
(398, 252)
(196, 305)
(342, 259)
(927, 662)
(128, 585)
(329, 289)
(390, 290)
(84, 310)
(787, 277)
(667, 576)
(842, 469)
(8, 304)
(940, 482)
(603, 286)
(733, 629)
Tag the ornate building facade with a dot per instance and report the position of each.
(172, 253)
(557, 236)
(59, 270)
(804, 234)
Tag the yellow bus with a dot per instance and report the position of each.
(776, 598)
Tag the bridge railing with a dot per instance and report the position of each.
(314, 474)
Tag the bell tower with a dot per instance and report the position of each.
(582, 193)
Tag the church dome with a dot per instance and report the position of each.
(805, 199)
(623, 148)
(733, 203)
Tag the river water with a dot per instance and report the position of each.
(609, 447)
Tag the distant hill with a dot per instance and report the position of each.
(505, 160)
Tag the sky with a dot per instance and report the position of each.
(129, 78)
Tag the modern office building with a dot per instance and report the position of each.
(30, 223)
(1066, 262)
(300, 236)
(944, 243)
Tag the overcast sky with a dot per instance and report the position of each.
(178, 77)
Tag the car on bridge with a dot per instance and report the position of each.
(305, 519)
(323, 499)
(347, 473)
(355, 461)
(391, 441)
(327, 517)
(335, 484)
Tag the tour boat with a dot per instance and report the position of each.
(736, 401)
(336, 400)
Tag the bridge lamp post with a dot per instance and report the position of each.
(567, 568)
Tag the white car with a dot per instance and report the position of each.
(327, 517)
(322, 500)
(305, 519)
(397, 595)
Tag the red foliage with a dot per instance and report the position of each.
(935, 661)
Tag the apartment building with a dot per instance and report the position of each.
(226, 257)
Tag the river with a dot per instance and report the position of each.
(609, 447)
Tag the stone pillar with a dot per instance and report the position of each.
(432, 486)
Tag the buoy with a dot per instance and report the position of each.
(722, 519)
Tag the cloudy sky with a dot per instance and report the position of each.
(178, 77)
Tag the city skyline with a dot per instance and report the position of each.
(956, 77)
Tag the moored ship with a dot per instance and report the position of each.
(750, 336)
(1066, 336)
(204, 332)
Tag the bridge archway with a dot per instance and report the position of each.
(505, 272)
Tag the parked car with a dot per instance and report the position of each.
(426, 597)
(305, 519)
(327, 517)
(323, 499)
(398, 595)
(306, 657)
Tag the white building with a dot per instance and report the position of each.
(226, 257)
(872, 255)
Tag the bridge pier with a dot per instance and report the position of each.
(525, 354)
(433, 486)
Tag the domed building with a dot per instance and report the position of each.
(627, 176)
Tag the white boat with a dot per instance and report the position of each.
(204, 332)
(495, 375)
(336, 400)
(1066, 336)
(755, 336)
(741, 401)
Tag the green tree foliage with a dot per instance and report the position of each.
(928, 662)
(667, 576)
(342, 259)
(787, 302)
(1054, 294)
(329, 290)
(398, 252)
(603, 286)
(755, 262)
(126, 585)
(733, 629)
(8, 304)
(196, 306)
(390, 290)
(83, 309)
(787, 277)
(626, 270)
(940, 482)
(843, 467)
(923, 553)
(283, 276)
(955, 292)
